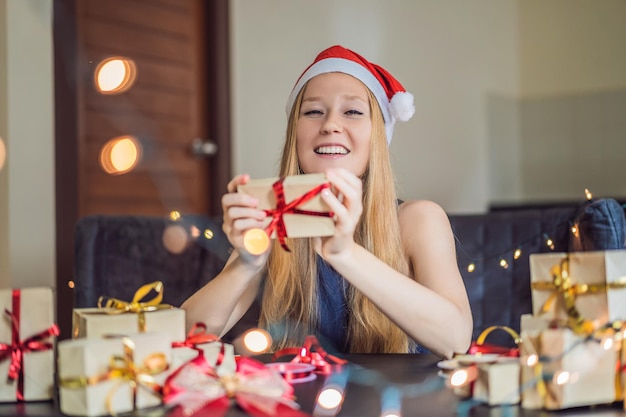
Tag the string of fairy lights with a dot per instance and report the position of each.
(515, 251)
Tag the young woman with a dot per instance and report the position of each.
(387, 280)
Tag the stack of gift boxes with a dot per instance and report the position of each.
(119, 357)
(570, 352)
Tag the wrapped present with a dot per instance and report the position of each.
(311, 352)
(27, 344)
(562, 369)
(197, 388)
(586, 289)
(293, 205)
(487, 373)
(112, 375)
(218, 354)
(117, 317)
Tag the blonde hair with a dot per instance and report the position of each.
(290, 306)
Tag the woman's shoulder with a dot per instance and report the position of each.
(420, 209)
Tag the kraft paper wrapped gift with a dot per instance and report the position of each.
(561, 369)
(33, 309)
(296, 186)
(595, 282)
(96, 375)
(498, 383)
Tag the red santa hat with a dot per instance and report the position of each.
(394, 101)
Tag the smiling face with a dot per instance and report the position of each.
(334, 125)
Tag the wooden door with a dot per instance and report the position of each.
(179, 97)
(162, 111)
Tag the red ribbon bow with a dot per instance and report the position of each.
(312, 352)
(18, 348)
(277, 223)
(199, 389)
(197, 335)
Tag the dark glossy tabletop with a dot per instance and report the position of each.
(424, 394)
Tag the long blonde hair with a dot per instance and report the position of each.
(290, 306)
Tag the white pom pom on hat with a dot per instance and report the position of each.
(394, 101)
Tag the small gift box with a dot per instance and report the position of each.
(561, 369)
(117, 317)
(586, 289)
(488, 373)
(498, 383)
(198, 342)
(27, 344)
(113, 375)
(293, 204)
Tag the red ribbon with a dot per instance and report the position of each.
(193, 387)
(312, 352)
(489, 348)
(277, 223)
(18, 348)
(197, 335)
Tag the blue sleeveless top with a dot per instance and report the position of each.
(333, 306)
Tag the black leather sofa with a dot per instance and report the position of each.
(115, 255)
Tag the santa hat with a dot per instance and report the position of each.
(394, 101)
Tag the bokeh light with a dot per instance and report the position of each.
(115, 75)
(3, 153)
(330, 398)
(120, 155)
(175, 238)
(257, 340)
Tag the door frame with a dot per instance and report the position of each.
(65, 42)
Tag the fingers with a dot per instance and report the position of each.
(349, 193)
(240, 212)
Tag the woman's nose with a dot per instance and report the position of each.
(331, 123)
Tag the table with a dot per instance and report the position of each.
(408, 372)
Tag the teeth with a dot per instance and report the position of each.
(331, 150)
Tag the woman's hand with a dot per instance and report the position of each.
(345, 201)
(240, 215)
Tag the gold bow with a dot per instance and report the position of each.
(125, 369)
(562, 285)
(115, 306)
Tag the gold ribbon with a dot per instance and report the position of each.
(137, 305)
(483, 335)
(562, 285)
(125, 369)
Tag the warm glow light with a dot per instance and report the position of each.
(330, 398)
(561, 378)
(504, 264)
(549, 241)
(471, 267)
(120, 155)
(175, 238)
(257, 340)
(459, 378)
(70, 284)
(588, 194)
(256, 241)
(174, 215)
(3, 154)
(195, 232)
(517, 253)
(532, 360)
(115, 75)
(392, 414)
(575, 230)
(208, 234)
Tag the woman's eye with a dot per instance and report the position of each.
(354, 113)
(312, 113)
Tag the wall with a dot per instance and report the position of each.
(27, 215)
